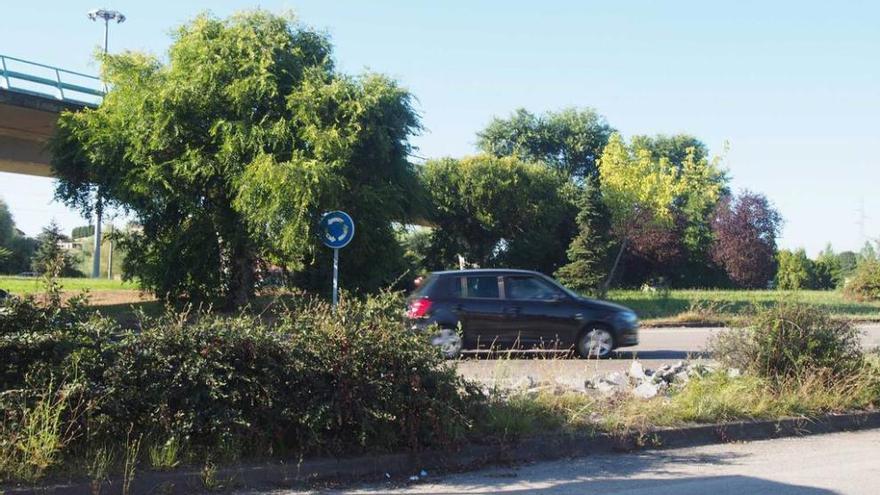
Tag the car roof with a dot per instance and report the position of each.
(486, 271)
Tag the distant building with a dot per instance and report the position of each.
(70, 245)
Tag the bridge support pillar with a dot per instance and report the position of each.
(96, 253)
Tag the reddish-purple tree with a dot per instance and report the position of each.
(653, 250)
(745, 230)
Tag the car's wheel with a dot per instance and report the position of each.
(596, 343)
(449, 342)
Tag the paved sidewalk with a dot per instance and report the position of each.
(840, 463)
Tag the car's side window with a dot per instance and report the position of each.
(530, 289)
(483, 287)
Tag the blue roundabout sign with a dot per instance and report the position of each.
(337, 229)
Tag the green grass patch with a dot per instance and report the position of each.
(35, 285)
(732, 306)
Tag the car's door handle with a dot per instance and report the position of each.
(513, 310)
(457, 307)
(578, 316)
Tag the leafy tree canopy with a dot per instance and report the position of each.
(795, 270)
(677, 148)
(7, 224)
(633, 181)
(50, 258)
(827, 270)
(228, 153)
(570, 140)
(15, 249)
(660, 192)
(745, 228)
(499, 212)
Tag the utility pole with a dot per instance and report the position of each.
(110, 255)
(107, 16)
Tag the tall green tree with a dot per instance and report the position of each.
(50, 258)
(570, 140)
(589, 251)
(15, 248)
(702, 182)
(661, 198)
(795, 270)
(636, 189)
(7, 233)
(499, 212)
(228, 154)
(847, 261)
(7, 224)
(827, 270)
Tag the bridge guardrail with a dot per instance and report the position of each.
(24, 76)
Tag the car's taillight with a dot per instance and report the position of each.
(418, 308)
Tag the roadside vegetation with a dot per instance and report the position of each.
(791, 360)
(82, 394)
(199, 389)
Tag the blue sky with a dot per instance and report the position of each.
(794, 87)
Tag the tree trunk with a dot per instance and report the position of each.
(242, 278)
(610, 278)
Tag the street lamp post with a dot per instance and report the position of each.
(107, 16)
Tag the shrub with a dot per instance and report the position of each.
(790, 340)
(306, 380)
(865, 283)
(40, 340)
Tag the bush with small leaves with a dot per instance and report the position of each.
(865, 282)
(791, 340)
(310, 379)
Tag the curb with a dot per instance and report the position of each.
(467, 457)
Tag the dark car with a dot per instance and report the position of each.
(488, 309)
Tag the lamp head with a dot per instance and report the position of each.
(106, 15)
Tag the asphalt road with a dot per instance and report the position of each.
(840, 463)
(657, 346)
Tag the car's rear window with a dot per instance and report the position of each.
(485, 287)
(530, 289)
(424, 288)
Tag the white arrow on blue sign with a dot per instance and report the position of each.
(337, 229)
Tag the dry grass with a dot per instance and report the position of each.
(714, 398)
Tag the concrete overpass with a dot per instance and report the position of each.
(32, 96)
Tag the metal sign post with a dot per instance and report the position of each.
(335, 276)
(337, 230)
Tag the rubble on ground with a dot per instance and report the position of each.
(645, 383)
(636, 380)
